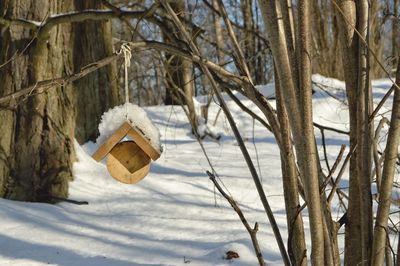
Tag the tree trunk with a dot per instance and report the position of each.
(98, 91)
(322, 62)
(385, 195)
(180, 82)
(37, 146)
(8, 81)
(174, 64)
(395, 29)
(376, 38)
(297, 99)
(364, 131)
(306, 148)
(349, 44)
(296, 240)
(249, 39)
(219, 37)
(356, 70)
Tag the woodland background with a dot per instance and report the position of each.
(59, 72)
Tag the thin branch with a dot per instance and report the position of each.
(378, 169)
(42, 86)
(332, 171)
(247, 110)
(321, 127)
(341, 172)
(382, 102)
(70, 17)
(324, 148)
(322, 87)
(30, 24)
(236, 208)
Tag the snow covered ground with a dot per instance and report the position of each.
(174, 216)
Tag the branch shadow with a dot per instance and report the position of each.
(50, 254)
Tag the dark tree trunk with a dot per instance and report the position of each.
(179, 72)
(249, 40)
(36, 145)
(98, 91)
(395, 29)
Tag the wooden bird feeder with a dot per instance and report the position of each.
(127, 161)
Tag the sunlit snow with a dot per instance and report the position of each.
(174, 216)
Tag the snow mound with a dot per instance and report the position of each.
(134, 115)
(204, 129)
(246, 254)
(329, 82)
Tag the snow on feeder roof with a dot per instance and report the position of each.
(128, 161)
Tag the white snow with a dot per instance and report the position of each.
(174, 216)
(134, 115)
(267, 90)
(204, 129)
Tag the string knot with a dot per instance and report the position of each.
(127, 52)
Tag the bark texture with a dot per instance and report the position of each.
(326, 53)
(296, 239)
(354, 15)
(306, 149)
(98, 91)
(36, 151)
(296, 91)
(385, 197)
(249, 41)
(179, 71)
(219, 37)
(395, 29)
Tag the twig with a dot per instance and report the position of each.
(378, 170)
(324, 148)
(236, 208)
(332, 171)
(216, 116)
(77, 202)
(331, 129)
(247, 110)
(341, 172)
(322, 87)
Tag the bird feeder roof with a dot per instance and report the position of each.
(126, 129)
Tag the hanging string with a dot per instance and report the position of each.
(126, 50)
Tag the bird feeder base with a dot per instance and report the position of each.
(128, 163)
